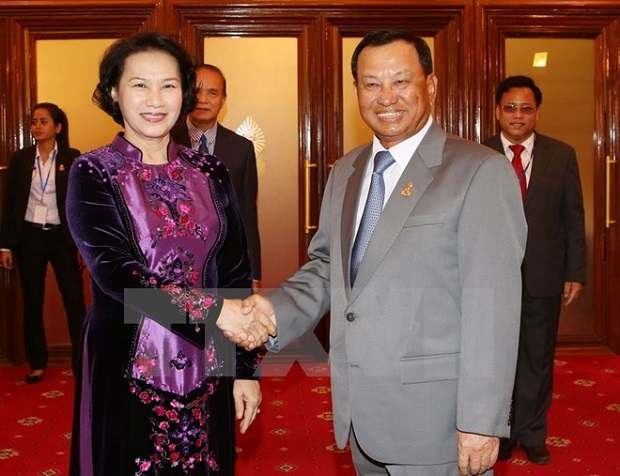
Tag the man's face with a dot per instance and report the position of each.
(395, 97)
(211, 99)
(517, 125)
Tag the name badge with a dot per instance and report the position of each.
(40, 214)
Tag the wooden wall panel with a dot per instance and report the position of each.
(59, 20)
(468, 37)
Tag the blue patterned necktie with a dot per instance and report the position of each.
(372, 210)
(203, 148)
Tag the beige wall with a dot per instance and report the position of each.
(67, 72)
(261, 83)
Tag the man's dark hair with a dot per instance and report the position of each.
(215, 69)
(518, 82)
(386, 36)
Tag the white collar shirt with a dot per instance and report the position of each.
(43, 188)
(402, 154)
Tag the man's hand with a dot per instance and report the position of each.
(571, 291)
(6, 259)
(245, 328)
(247, 396)
(477, 453)
(263, 306)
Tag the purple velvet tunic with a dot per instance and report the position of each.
(163, 244)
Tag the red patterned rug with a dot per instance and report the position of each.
(294, 436)
(584, 421)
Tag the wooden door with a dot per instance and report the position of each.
(583, 105)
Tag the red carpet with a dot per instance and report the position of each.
(35, 422)
(584, 421)
(293, 433)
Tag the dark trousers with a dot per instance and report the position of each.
(533, 390)
(37, 248)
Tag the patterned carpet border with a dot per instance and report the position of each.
(293, 434)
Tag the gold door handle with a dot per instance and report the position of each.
(608, 163)
(307, 215)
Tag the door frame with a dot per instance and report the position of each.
(601, 25)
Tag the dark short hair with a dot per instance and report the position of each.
(215, 69)
(59, 117)
(386, 36)
(518, 82)
(113, 64)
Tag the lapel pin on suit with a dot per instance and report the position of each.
(406, 191)
(61, 167)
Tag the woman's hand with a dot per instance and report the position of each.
(247, 396)
(247, 329)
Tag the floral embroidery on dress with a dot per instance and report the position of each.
(168, 199)
(145, 364)
(194, 303)
(180, 361)
(179, 268)
(179, 430)
(167, 195)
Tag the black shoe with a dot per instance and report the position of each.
(538, 454)
(505, 449)
(36, 376)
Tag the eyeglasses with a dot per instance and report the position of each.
(526, 109)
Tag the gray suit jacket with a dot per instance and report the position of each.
(425, 343)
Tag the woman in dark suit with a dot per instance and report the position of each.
(34, 231)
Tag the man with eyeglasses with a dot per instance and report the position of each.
(554, 266)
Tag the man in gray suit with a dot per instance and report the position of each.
(554, 266)
(424, 326)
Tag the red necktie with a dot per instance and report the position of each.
(518, 166)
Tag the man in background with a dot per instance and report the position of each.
(201, 131)
(554, 266)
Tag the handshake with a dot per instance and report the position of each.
(248, 323)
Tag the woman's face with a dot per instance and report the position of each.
(42, 126)
(149, 95)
